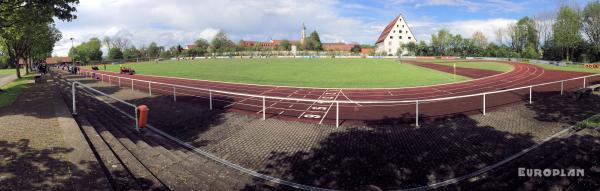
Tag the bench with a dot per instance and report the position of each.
(129, 71)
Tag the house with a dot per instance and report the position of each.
(393, 36)
(338, 46)
(59, 60)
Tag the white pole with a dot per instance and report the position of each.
(417, 113)
(149, 89)
(119, 81)
(337, 114)
(109, 80)
(530, 94)
(210, 99)
(174, 94)
(561, 87)
(264, 109)
(73, 95)
(132, 85)
(483, 104)
(583, 82)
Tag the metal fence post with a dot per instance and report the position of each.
(264, 109)
(530, 94)
(562, 83)
(109, 80)
(137, 125)
(337, 114)
(417, 113)
(583, 82)
(484, 104)
(132, 85)
(174, 94)
(119, 81)
(210, 99)
(73, 95)
(149, 88)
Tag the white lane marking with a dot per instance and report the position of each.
(325, 115)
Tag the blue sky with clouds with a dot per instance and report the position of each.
(182, 21)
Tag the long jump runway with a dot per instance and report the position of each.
(322, 111)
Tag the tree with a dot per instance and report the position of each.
(591, 23)
(221, 43)
(314, 41)
(479, 39)
(87, 51)
(440, 41)
(131, 52)
(107, 42)
(154, 50)
(39, 11)
(566, 31)
(115, 53)
(285, 45)
(120, 43)
(22, 20)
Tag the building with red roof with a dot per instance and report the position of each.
(393, 36)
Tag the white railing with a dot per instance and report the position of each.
(76, 84)
(416, 102)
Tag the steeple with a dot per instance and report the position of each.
(302, 34)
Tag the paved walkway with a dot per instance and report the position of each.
(42, 148)
(7, 79)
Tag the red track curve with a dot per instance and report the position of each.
(521, 75)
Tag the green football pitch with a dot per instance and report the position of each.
(333, 73)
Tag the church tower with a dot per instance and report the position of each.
(302, 34)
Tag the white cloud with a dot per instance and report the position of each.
(469, 5)
(181, 22)
(424, 29)
(173, 22)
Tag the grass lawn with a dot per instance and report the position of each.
(4, 72)
(335, 73)
(570, 67)
(13, 89)
(495, 66)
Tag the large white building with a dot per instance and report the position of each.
(393, 36)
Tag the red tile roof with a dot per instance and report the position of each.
(56, 60)
(338, 46)
(387, 30)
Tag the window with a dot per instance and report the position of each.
(391, 37)
(395, 31)
(409, 38)
(400, 37)
(397, 26)
(402, 26)
(399, 19)
(400, 31)
(406, 32)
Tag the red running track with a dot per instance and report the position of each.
(320, 112)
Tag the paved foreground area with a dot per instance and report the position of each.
(42, 148)
(390, 153)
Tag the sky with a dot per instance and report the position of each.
(173, 22)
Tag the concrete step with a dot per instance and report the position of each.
(143, 174)
(119, 176)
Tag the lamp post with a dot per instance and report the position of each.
(73, 59)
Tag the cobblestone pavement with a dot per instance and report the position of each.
(34, 154)
(388, 153)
